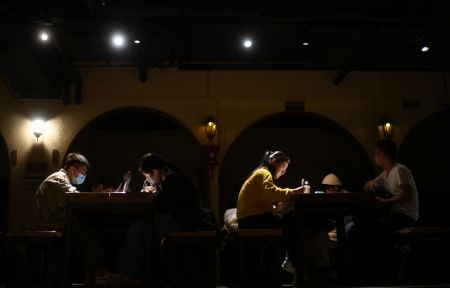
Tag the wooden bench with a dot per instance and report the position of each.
(425, 253)
(192, 259)
(265, 242)
(41, 269)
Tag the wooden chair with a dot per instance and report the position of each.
(32, 270)
(267, 244)
(425, 253)
(192, 258)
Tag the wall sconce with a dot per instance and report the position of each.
(386, 128)
(38, 128)
(211, 151)
(210, 128)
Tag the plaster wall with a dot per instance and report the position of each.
(235, 98)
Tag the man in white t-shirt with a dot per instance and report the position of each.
(397, 207)
(398, 180)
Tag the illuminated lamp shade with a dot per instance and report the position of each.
(38, 128)
(210, 128)
(386, 128)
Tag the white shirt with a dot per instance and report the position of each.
(398, 175)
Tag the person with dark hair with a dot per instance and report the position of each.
(178, 208)
(398, 180)
(259, 192)
(255, 204)
(49, 199)
(397, 207)
(49, 210)
(175, 193)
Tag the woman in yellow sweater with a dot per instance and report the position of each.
(259, 194)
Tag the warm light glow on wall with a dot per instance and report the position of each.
(38, 128)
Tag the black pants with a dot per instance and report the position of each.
(131, 257)
(275, 221)
(373, 244)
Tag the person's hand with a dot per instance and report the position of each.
(370, 185)
(149, 189)
(298, 190)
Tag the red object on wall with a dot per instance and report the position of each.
(211, 157)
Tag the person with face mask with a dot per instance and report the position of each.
(49, 211)
(49, 200)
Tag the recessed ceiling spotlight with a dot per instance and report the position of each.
(305, 43)
(137, 41)
(425, 48)
(118, 40)
(247, 43)
(44, 36)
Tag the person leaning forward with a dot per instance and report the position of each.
(49, 210)
(256, 200)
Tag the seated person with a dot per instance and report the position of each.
(398, 180)
(320, 240)
(178, 208)
(49, 210)
(374, 231)
(258, 195)
(332, 184)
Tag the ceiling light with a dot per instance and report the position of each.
(305, 43)
(44, 36)
(137, 41)
(247, 43)
(425, 48)
(118, 40)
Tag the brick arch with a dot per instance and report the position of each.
(317, 146)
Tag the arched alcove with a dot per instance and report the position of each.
(115, 141)
(317, 146)
(425, 151)
(4, 184)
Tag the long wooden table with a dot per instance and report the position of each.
(114, 207)
(309, 207)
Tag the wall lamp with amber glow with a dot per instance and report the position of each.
(211, 150)
(38, 128)
(210, 128)
(386, 128)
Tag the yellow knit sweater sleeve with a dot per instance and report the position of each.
(259, 193)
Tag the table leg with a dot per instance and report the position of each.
(149, 277)
(340, 248)
(67, 281)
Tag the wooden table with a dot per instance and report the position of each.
(116, 207)
(328, 205)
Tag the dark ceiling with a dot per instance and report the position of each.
(345, 35)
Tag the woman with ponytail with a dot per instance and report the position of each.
(258, 195)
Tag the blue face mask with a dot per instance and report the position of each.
(79, 179)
